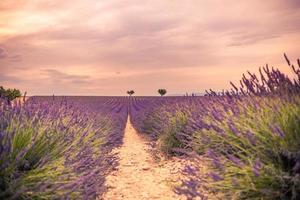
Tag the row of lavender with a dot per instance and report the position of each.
(59, 147)
(249, 136)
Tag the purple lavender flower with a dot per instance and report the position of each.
(215, 159)
(233, 128)
(236, 160)
(211, 154)
(217, 129)
(216, 177)
(251, 138)
(217, 115)
(257, 167)
(277, 131)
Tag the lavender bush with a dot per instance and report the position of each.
(250, 135)
(58, 148)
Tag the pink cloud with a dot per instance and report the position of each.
(142, 41)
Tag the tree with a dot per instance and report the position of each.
(13, 93)
(9, 94)
(162, 92)
(130, 92)
(2, 92)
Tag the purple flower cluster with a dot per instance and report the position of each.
(59, 147)
(241, 130)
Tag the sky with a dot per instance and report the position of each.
(106, 47)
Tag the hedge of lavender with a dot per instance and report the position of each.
(249, 136)
(58, 148)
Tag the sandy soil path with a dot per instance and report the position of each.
(139, 176)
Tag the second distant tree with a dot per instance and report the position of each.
(162, 92)
(130, 92)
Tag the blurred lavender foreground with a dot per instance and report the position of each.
(58, 148)
(249, 137)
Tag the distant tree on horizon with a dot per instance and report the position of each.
(2, 92)
(130, 92)
(162, 92)
(9, 94)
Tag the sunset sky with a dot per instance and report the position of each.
(105, 47)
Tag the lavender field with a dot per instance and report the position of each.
(58, 147)
(247, 138)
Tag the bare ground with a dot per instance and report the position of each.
(140, 175)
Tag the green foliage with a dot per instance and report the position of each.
(252, 147)
(168, 140)
(266, 164)
(9, 94)
(42, 156)
(2, 91)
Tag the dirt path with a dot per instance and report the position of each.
(139, 176)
